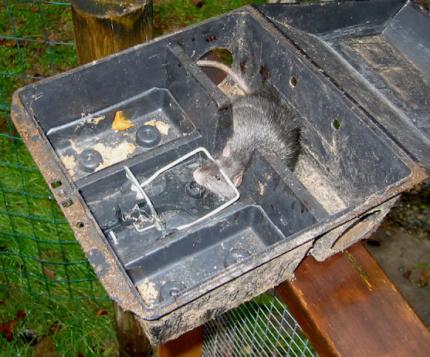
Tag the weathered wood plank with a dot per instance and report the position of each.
(188, 345)
(347, 306)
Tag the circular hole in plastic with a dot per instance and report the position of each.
(67, 203)
(56, 183)
(171, 289)
(336, 124)
(359, 229)
(293, 81)
(217, 54)
(174, 292)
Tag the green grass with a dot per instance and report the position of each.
(73, 328)
(42, 268)
(43, 271)
(171, 15)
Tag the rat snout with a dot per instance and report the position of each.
(201, 175)
(210, 178)
(198, 175)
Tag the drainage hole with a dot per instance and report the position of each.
(67, 203)
(210, 38)
(336, 124)
(56, 183)
(293, 81)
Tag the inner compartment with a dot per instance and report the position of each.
(90, 144)
(122, 108)
(166, 271)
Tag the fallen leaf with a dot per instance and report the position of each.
(6, 329)
(8, 43)
(45, 348)
(49, 273)
(101, 312)
(161, 126)
(55, 327)
(424, 278)
(198, 3)
(69, 162)
(20, 315)
(120, 122)
(407, 274)
(97, 120)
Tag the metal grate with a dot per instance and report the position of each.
(261, 327)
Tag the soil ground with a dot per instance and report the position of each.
(402, 248)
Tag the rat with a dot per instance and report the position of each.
(260, 121)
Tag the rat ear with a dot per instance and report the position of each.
(226, 151)
(237, 180)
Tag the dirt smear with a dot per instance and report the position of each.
(318, 186)
(148, 291)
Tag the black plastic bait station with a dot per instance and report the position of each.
(119, 139)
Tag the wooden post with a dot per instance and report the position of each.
(103, 27)
(131, 338)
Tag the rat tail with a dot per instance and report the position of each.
(227, 70)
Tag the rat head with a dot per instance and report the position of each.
(210, 177)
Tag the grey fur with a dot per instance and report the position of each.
(260, 121)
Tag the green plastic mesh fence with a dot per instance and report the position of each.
(48, 291)
(37, 249)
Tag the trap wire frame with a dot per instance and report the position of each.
(155, 218)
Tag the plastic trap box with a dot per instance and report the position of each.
(119, 139)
